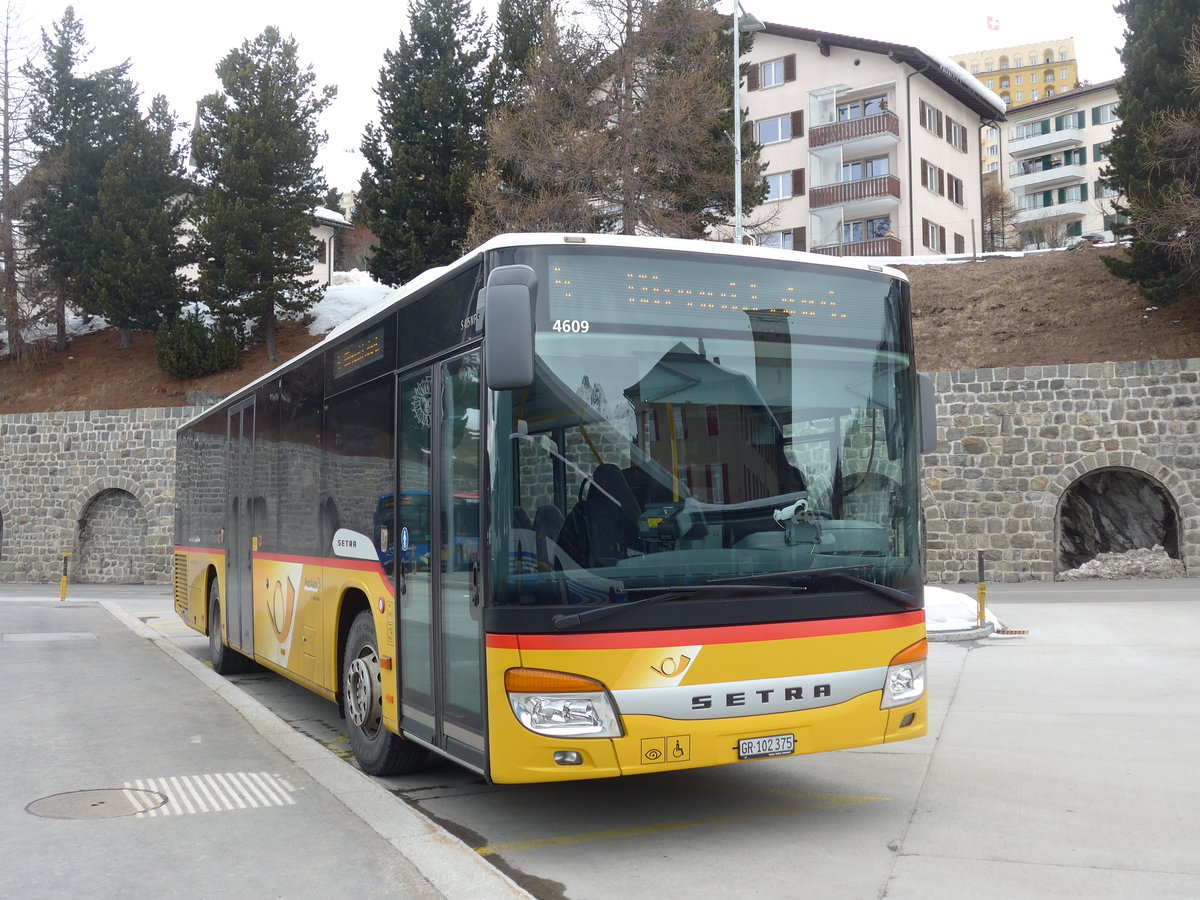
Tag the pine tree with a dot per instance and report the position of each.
(1155, 82)
(77, 123)
(134, 280)
(428, 144)
(255, 152)
(521, 27)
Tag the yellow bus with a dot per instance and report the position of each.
(578, 506)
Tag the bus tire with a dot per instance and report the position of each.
(378, 751)
(225, 660)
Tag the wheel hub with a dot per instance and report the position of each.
(363, 704)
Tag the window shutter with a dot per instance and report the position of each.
(925, 232)
(797, 182)
(922, 106)
(924, 174)
(939, 123)
(950, 123)
(798, 123)
(1083, 191)
(941, 239)
(789, 67)
(941, 182)
(1095, 115)
(799, 238)
(752, 78)
(960, 244)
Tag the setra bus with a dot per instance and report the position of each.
(578, 506)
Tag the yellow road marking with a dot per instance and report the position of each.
(815, 801)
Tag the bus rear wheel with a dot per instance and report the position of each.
(379, 751)
(225, 660)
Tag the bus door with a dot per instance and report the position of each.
(438, 555)
(239, 527)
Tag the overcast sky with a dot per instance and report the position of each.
(175, 47)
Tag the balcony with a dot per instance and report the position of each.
(1048, 178)
(885, 125)
(1072, 209)
(877, 247)
(880, 187)
(1040, 144)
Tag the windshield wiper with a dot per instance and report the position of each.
(563, 621)
(841, 572)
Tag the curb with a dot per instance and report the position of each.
(452, 868)
(962, 634)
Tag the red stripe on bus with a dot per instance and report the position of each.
(726, 634)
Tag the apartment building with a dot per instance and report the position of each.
(871, 148)
(1057, 155)
(1019, 76)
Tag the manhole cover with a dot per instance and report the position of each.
(105, 803)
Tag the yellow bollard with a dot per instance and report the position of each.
(981, 594)
(62, 584)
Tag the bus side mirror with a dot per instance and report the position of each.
(928, 414)
(508, 327)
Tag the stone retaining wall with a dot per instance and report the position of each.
(99, 485)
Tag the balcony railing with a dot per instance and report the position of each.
(850, 191)
(853, 129)
(876, 247)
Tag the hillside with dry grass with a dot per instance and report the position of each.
(1045, 309)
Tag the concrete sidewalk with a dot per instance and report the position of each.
(132, 769)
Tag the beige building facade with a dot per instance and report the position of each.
(871, 148)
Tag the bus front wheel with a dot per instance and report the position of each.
(379, 751)
(225, 660)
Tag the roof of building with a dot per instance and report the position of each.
(1067, 97)
(941, 70)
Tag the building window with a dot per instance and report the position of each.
(1033, 77)
(1033, 95)
(858, 109)
(1103, 189)
(1020, 79)
(1017, 62)
(933, 236)
(1049, 74)
(954, 189)
(773, 131)
(991, 83)
(866, 230)
(1049, 92)
(993, 167)
(1004, 83)
(1103, 114)
(931, 118)
(933, 177)
(1100, 152)
(975, 69)
(862, 169)
(1063, 74)
(780, 240)
(779, 186)
(957, 135)
(993, 150)
(770, 73)
(1020, 96)
(1062, 57)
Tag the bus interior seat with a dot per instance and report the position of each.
(611, 527)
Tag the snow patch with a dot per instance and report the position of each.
(1152, 562)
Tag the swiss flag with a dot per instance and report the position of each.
(993, 23)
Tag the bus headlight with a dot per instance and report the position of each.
(905, 681)
(558, 704)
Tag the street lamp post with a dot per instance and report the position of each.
(742, 21)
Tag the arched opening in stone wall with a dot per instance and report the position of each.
(1114, 511)
(112, 540)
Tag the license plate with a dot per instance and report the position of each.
(775, 745)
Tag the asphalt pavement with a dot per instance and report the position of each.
(131, 769)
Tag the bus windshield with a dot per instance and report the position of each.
(707, 426)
